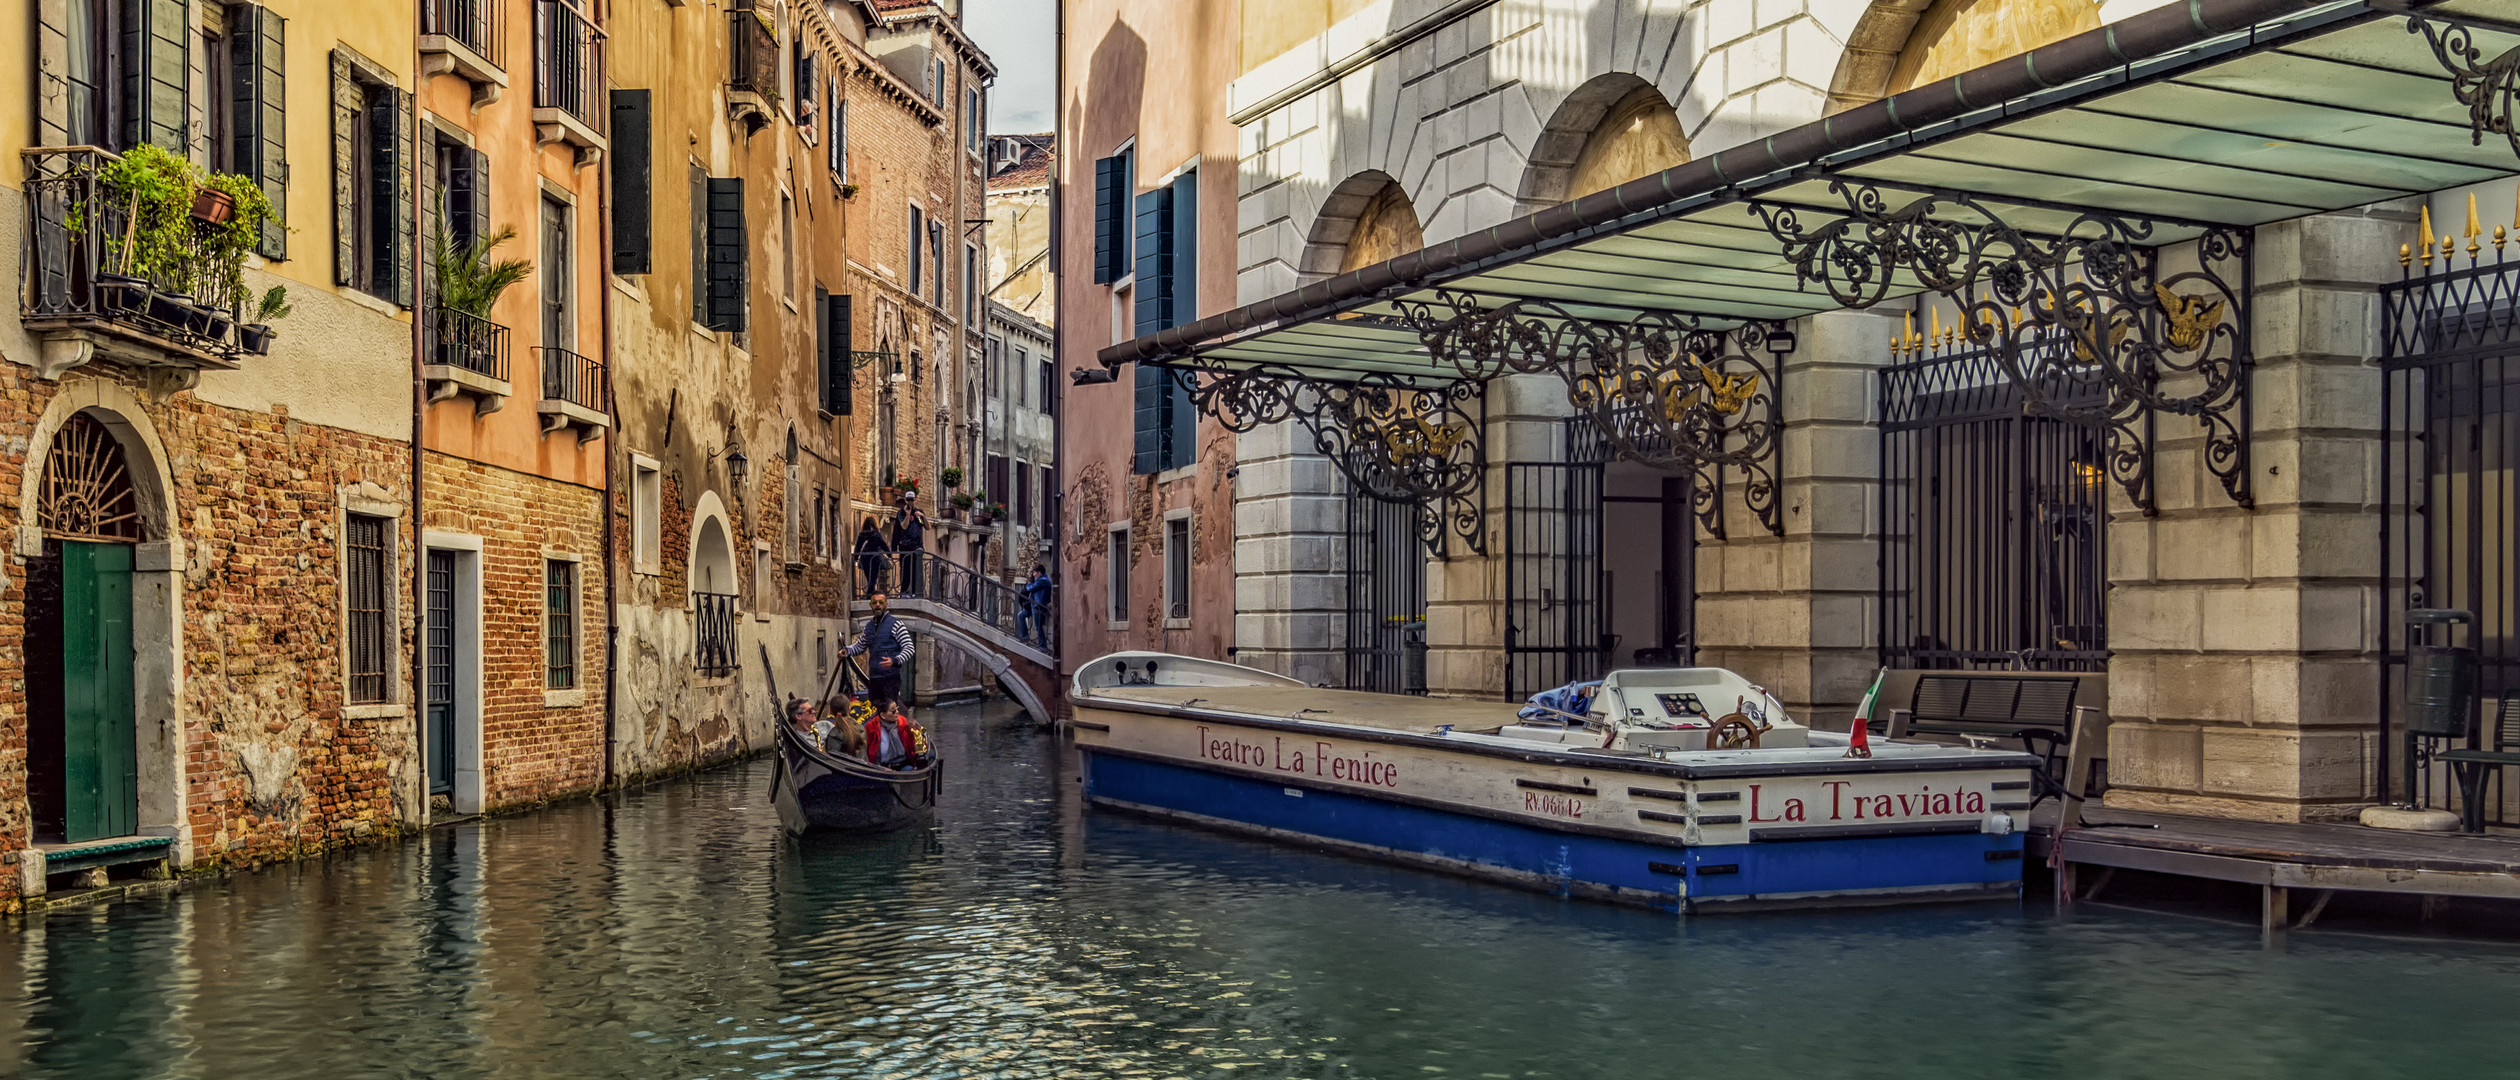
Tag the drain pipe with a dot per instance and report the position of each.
(612, 454)
(418, 697)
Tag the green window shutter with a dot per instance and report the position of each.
(839, 352)
(157, 82)
(633, 215)
(1152, 303)
(1181, 279)
(1148, 414)
(729, 249)
(261, 150)
(396, 177)
(346, 100)
(1106, 222)
(467, 196)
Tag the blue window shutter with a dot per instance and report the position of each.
(1181, 289)
(1153, 299)
(1152, 397)
(1106, 223)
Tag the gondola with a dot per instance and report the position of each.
(819, 791)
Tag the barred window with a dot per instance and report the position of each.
(560, 624)
(364, 584)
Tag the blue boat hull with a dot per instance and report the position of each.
(1796, 873)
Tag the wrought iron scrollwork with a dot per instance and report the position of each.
(1664, 389)
(2084, 322)
(1396, 439)
(2486, 87)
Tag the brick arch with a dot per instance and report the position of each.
(708, 513)
(1887, 51)
(1549, 174)
(121, 413)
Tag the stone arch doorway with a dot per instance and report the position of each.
(1367, 219)
(1611, 130)
(100, 624)
(1903, 44)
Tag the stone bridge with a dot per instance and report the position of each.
(1029, 674)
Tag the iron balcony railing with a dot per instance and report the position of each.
(714, 621)
(479, 25)
(469, 342)
(77, 240)
(752, 50)
(919, 575)
(576, 379)
(569, 63)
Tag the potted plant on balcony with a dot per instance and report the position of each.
(154, 191)
(997, 512)
(980, 515)
(221, 247)
(906, 490)
(953, 477)
(470, 283)
(255, 337)
(962, 501)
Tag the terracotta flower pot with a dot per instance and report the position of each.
(213, 206)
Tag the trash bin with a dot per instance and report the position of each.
(2440, 677)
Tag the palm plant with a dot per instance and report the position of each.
(467, 280)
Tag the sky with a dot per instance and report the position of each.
(1021, 37)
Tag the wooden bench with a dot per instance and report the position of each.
(2470, 766)
(2038, 710)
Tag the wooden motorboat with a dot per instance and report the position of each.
(1685, 789)
(817, 787)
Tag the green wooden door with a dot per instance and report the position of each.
(101, 773)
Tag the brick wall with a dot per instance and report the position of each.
(531, 749)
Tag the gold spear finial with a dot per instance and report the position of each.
(1934, 330)
(2473, 231)
(1907, 331)
(2424, 234)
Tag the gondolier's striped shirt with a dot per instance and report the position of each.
(903, 647)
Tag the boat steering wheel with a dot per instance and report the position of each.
(1734, 732)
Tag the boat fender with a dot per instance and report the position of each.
(1997, 824)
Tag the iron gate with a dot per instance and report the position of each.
(1386, 588)
(2450, 406)
(1993, 524)
(440, 664)
(1554, 632)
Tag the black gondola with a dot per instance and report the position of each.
(818, 790)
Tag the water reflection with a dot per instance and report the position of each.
(677, 934)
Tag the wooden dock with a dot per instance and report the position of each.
(2280, 859)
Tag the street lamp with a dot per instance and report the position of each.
(736, 463)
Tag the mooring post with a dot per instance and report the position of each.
(2274, 916)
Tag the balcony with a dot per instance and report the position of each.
(714, 621)
(466, 38)
(76, 302)
(465, 354)
(577, 392)
(752, 70)
(569, 102)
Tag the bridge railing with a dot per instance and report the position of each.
(926, 576)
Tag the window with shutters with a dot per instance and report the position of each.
(632, 205)
(1166, 295)
(971, 283)
(1177, 567)
(367, 607)
(1116, 589)
(699, 245)
(918, 248)
(458, 190)
(1049, 387)
(126, 79)
(560, 624)
(936, 259)
(558, 271)
(839, 142)
(976, 120)
(721, 253)
(372, 176)
(787, 247)
(839, 372)
(1115, 180)
(647, 513)
(218, 90)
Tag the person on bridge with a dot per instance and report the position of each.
(1032, 618)
(886, 645)
(872, 554)
(909, 540)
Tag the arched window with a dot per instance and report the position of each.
(1365, 220)
(1611, 130)
(87, 492)
(1895, 47)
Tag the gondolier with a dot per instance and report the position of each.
(887, 646)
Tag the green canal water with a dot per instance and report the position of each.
(675, 934)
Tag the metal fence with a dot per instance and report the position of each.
(926, 576)
(715, 651)
(470, 342)
(752, 52)
(575, 378)
(1386, 590)
(569, 63)
(1994, 524)
(479, 25)
(1554, 632)
(2450, 407)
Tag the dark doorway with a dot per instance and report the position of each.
(1649, 567)
(441, 672)
(1994, 524)
(1386, 588)
(83, 760)
(1554, 630)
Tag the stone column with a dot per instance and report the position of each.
(1798, 613)
(1290, 556)
(2243, 678)
(1465, 594)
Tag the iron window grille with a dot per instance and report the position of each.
(575, 378)
(560, 621)
(478, 25)
(368, 611)
(714, 622)
(569, 63)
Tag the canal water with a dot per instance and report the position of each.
(675, 934)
